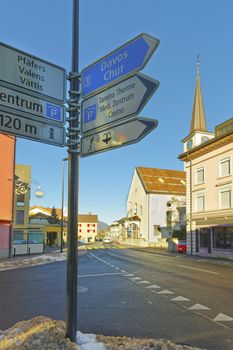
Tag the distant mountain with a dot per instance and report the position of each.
(101, 226)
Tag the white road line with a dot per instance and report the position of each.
(180, 298)
(153, 286)
(101, 274)
(193, 268)
(198, 307)
(135, 278)
(128, 274)
(222, 318)
(165, 291)
(143, 282)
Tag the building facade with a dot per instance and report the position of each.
(155, 206)
(21, 200)
(208, 160)
(7, 165)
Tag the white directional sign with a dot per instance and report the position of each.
(12, 123)
(28, 72)
(126, 133)
(123, 100)
(35, 108)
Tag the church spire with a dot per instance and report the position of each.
(198, 122)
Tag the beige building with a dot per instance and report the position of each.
(208, 161)
(155, 206)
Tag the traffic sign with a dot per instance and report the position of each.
(28, 72)
(127, 59)
(123, 100)
(36, 108)
(126, 133)
(12, 123)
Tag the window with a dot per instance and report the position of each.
(20, 200)
(225, 198)
(204, 237)
(223, 237)
(200, 202)
(225, 167)
(200, 176)
(19, 217)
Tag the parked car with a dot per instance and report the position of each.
(182, 247)
(107, 240)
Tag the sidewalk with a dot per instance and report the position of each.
(159, 251)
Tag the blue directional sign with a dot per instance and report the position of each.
(125, 60)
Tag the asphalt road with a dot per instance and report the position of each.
(133, 293)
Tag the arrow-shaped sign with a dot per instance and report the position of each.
(123, 100)
(127, 59)
(129, 132)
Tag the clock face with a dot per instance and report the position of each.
(189, 144)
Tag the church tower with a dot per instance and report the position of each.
(198, 131)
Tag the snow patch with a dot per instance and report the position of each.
(88, 342)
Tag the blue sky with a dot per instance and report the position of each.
(185, 28)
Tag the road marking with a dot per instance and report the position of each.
(143, 282)
(165, 291)
(153, 286)
(193, 268)
(101, 274)
(128, 274)
(198, 307)
(222, 318)
(123, 271)
(180, 298)
(135, 278)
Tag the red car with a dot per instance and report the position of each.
(182, 247)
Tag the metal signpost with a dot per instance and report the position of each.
(125, 99)
(126, 133)
(32, 97)
(127, 59)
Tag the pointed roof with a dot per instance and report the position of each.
(198, 122)
(162, 181)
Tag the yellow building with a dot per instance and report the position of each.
(208, 161)
(41, 218)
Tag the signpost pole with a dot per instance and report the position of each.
(73, 160)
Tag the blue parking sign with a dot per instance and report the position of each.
(89, 114)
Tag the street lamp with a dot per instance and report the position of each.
(62, 203)
(39, 193)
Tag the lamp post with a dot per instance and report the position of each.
(62, 203)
